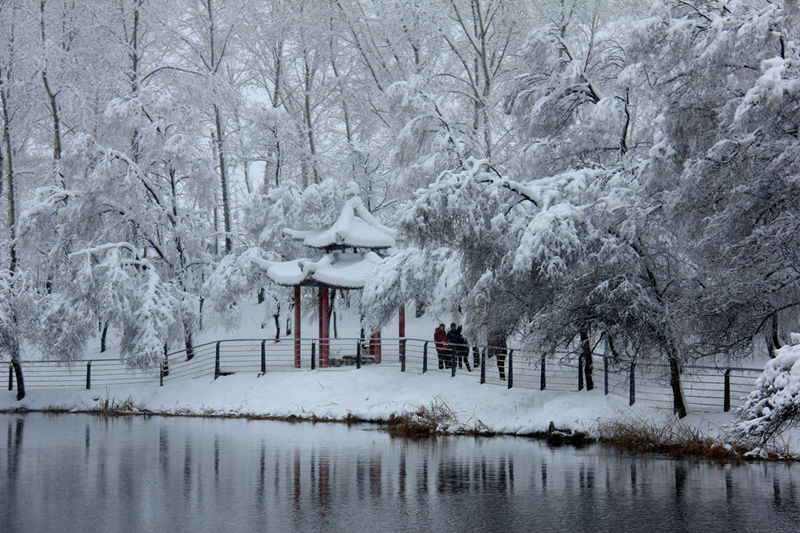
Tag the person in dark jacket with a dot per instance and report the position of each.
(452, 338)
(459, 347)
(442, 348)
(497, 347)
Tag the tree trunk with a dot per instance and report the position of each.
(675, 382)
(18, 373)
(278, 160)
(219, 137)
(586, 350)
(133, 75)
(12, 228)
(276, 103)
(10, 183)
(223, 177)
(331, 312)
(308, 77)
(52, 97)
(774, 340)
(188, 342)
(277, 317)
(216, 228)
(242, 153)
(103, 333)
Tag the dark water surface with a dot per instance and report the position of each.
(79, 473)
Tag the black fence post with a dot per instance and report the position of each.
(313, 355)
(726, 406)
(632, 385)
(510, 368)
(263, 357)
(88, 375)
(580, 372)
(10, 376)
(425, 357)
(402, 355)
(216, 361)
(358, 354)
(483, 366)
(605, 375)
(543, 378)
(452, 361)
(161, 373)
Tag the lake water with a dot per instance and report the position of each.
(80, 473)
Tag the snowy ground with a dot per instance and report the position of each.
(371, 393)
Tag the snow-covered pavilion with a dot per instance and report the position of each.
(350, 247)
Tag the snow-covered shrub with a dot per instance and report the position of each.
(774, 405)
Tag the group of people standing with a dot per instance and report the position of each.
(452, 349)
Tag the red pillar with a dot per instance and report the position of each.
(297, 327)
(401, 330)
(324, 335)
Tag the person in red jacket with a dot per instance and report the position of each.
(442, 347)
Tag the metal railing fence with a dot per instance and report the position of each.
(705, 388)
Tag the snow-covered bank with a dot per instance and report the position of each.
(371, 393)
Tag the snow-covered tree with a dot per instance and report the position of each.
(609, 169)
(722, 81)
(264, 219)
(774, 405)
(545, 259)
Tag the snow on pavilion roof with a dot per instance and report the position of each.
(337, 269)
(355, 227)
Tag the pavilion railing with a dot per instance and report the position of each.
(705, 388)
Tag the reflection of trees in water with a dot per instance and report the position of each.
(784, 500)
(87, 442)
(187, 468)
(163, 451)
(216, 461)
(324, 488)
(261, 493)
(375, 475)
(14, 433)
(198, 479)
(402, 476)
(14, 446)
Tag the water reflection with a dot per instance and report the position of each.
(80, 473)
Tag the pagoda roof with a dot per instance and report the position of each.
(355, 227)
(336, 269)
